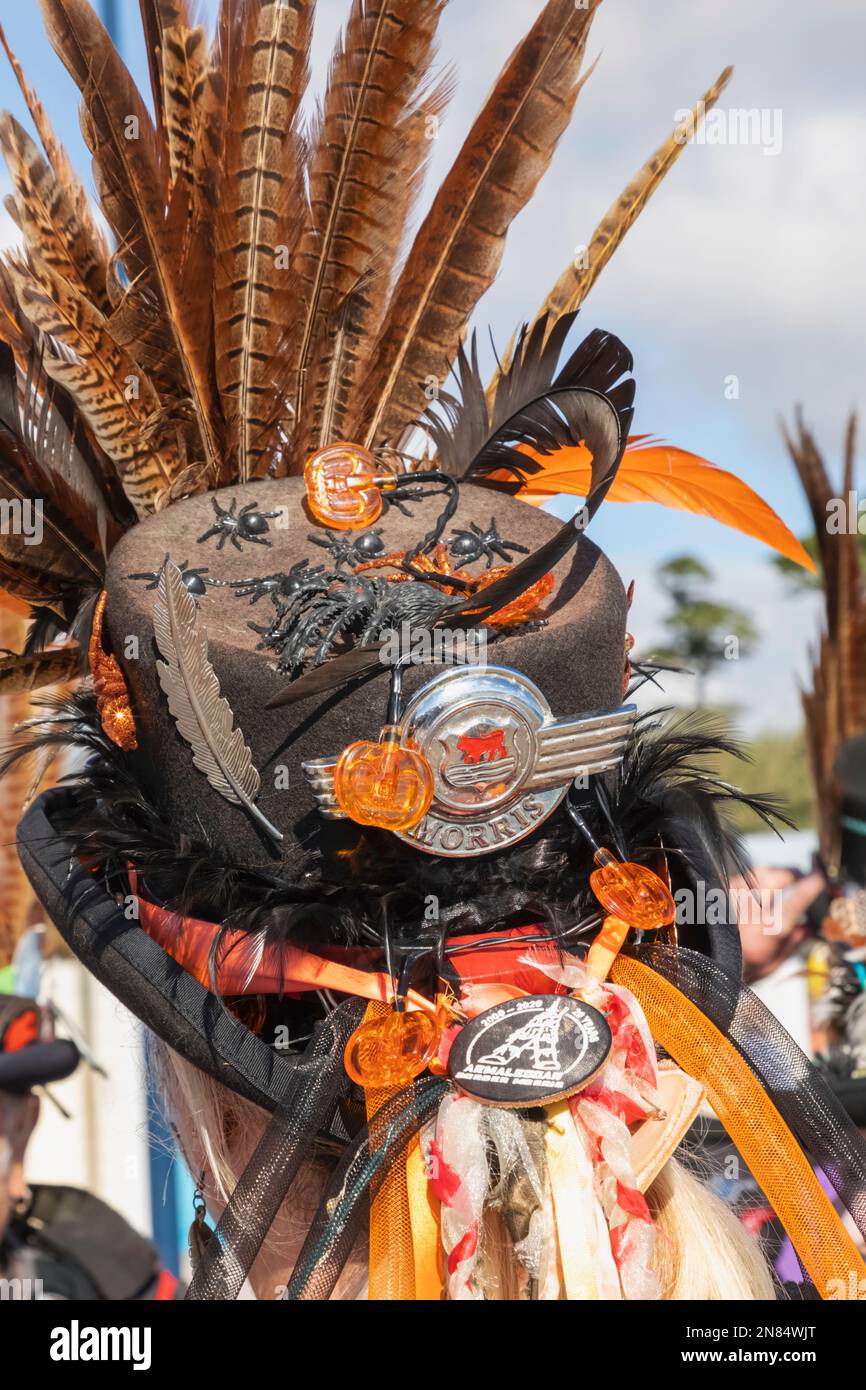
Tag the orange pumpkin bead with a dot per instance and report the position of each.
(341, 486)
(392, 1050)
(383, 784)
(631, 892)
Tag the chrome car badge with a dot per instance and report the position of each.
(501, 762)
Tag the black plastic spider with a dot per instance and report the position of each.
(400, 498)
(285, 589)
(356, 607)
(249, 525)
(470, 545)
(352, 550)
(191, 578)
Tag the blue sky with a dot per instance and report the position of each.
(746, 263)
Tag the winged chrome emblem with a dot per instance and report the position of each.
(502, 763)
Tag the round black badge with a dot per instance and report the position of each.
(530, 1051)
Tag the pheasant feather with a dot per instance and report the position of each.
(203, 716)
(158, 246)
(25, 673)
(576, 281)
(261, 205)
(60, 163)
(835, 707)
(115, 398)
(377, 79)
(185, 68)
(458, 250)
(49, 219)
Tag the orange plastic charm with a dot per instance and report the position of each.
(342, 488)
(631, 892)
(112, 696)
(383, 784)
(392, 1050)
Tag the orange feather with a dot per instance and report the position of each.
(657, 472)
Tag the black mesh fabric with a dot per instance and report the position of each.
(799, 1091)
(355, 1183)
(317, 1082)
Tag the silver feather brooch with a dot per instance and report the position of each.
(204, 718)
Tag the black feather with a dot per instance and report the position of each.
(667, 783)
(532, 408)
(45, 627)
(348, 881)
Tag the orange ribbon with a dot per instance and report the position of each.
(244, 966)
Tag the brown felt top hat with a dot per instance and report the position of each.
(573, 651)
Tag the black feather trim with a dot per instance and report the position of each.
(664, 799)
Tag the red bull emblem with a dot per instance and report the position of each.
(482, 748)
(501, 762)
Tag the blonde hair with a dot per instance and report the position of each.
(703, 1251)
(217, 1132)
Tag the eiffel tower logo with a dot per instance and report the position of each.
(539, 1039)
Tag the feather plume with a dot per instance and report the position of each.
(262, 203)
(185, 69)
(835, 706)
(603, 421)
(158, 242)
(332, 411)
(657, 472)
(15, 331)
(204, 718)
(25, 673)
(61, 445)
(128, 162)
(117, 400)
(137, 325)
(152, 27)
(57, 157)
(53, 458)
(55, 555)
(188, 97)
(156, 17)
(577, 280)
(534, 408)
(16, 897)
(457, 252)
(48, 217)
(377, 82)
(343, 354)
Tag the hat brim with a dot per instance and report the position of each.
(149, 982)
(137, 970)
(38, 1065)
